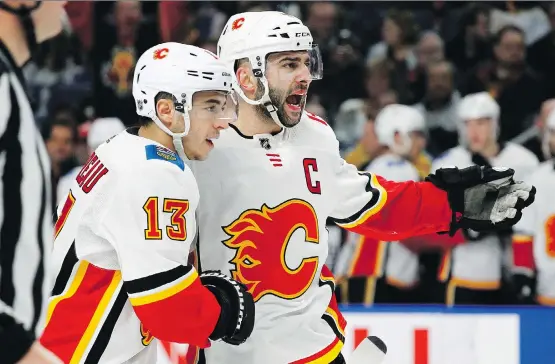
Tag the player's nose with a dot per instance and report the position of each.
(222, 123)
(303, 75)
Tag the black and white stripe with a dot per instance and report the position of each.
(25, 193)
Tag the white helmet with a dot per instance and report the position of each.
(549, 128)
(103, 129)
(400, 119)
(478, 106)
(254, 35)
(181, 70)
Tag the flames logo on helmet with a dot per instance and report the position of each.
(261, 239)
(238, 23)
(160, 53)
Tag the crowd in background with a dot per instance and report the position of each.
(424, 54)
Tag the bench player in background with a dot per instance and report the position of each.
(276, 175)
(124, 232)
(381, 271)
(472, 270)
(534, 234)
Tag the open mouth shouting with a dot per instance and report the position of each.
(296, 100)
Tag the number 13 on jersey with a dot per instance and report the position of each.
(177, 230)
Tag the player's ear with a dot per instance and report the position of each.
(165, 111)
(246, 79)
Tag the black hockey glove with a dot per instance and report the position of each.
(236, 320)
(483, 198)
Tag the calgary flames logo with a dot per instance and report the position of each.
(261, 238)
(160, 53)
(238, 23)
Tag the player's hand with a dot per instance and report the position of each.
(484, 198)
(38, 354)
(236, 320)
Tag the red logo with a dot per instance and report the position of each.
(238, 23)
(160, 53)
(261, 238)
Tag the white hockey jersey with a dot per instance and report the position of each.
(478, 265)
(264, 201)
(534, 238)
(120, 253)
(362, 256)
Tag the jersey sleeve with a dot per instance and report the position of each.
(371, 205)
(150, 223)
(523, 242)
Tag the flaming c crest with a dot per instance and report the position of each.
(261, 237)
(160, 53)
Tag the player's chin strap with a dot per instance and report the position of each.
(176, 137)
(264, 100)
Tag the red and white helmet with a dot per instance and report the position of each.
(255, 35)
(181, 70)
(400, 119)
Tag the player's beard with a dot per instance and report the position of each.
(278, 100)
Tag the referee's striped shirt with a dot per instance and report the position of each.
(26, 231)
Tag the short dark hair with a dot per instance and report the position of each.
(144, 120)
(507, 29)
(471, 13)
(406, 23)
(47, 127)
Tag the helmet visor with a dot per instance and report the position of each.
(316, 65)
(214, 106)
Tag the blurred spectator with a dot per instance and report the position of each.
(120, 37)
(57, 75)
(352, 115)
(541, 54)
(400, 34)
(507, 78)
(472, 43)
(527, 15)
(340, 53)
(60, 136)
(171, 15)
(429, 49)
(99, 131)
(439, 107)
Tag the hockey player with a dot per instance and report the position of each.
(276, 175)
(534, 235)
(472, 271)
(386, 272)
(124, 232)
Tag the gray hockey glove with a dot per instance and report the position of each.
(483, 198)
(236, 320)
